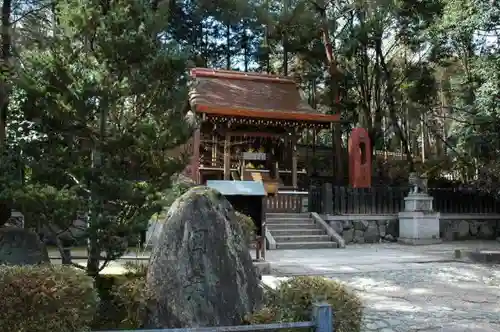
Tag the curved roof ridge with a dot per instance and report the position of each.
(239, 75)
(251, 95)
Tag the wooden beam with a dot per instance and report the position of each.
(267, 114)
(254, 134)
(294, 161)
(215, 150)
(227, 157)
(313, 163)
(259, 122)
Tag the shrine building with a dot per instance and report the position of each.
(250, 126)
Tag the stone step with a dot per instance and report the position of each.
(306, 245)
(287, 215)
(288, 218)
(288, 221)
(292, 226)
(281, 232)
(301, 238)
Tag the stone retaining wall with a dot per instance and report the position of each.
(474, 227)
(365, 229)
(385, 228)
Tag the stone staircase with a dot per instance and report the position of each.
(297, 231)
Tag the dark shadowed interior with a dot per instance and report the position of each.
(251, 206)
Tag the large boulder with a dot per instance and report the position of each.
(21, 247)
(201, 271)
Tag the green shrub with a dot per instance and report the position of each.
(132, 298)
(124, 300)
(248, 226)
(45, 298)
(266, 315)
(293, 300)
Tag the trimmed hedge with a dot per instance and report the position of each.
(292, 302)
(45, 298)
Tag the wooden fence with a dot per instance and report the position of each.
(322, 321)
(376, 200)
(455, 200)
(286, 202)
(390, 200)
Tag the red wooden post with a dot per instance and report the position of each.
(360, 159)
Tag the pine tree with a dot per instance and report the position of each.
(107, 93)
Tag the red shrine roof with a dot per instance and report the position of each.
(255, 95)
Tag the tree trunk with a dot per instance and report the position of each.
(378, 130)
(93, 219)
(391, 104)
(285, 56)
(245, 50)
(334, 79)
(5, 70)
(228, 47)
(284, 39)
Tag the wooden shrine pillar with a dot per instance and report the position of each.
(313, 163)
(276, 167)
(195, 159)
(294, 161)
(215, 150)
(227, 156)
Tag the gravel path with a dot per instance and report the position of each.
(406, 288)
(436, 297)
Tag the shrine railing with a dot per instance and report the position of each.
(287, 202)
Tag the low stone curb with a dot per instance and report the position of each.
(84, 257)
(479, 256)
(271, 242)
